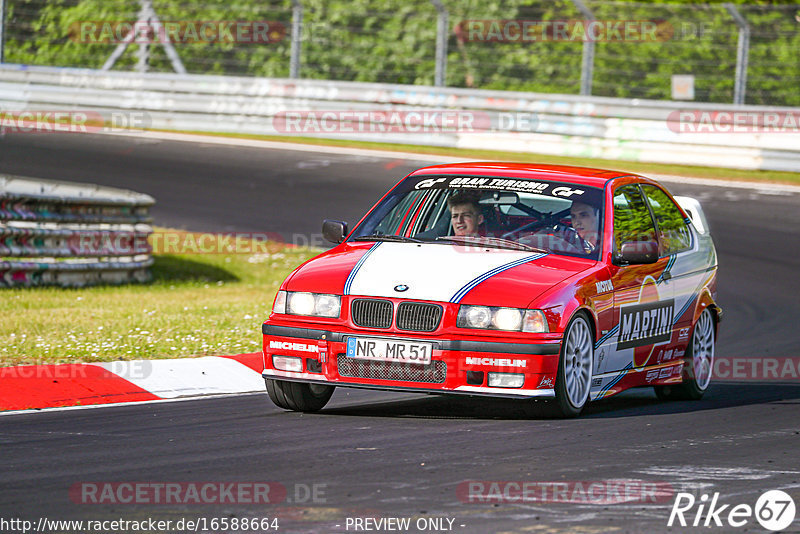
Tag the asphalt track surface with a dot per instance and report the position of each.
(379, 454)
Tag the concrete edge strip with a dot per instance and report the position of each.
(37, 387)
(766, 187)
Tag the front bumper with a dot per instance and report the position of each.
(459, 366)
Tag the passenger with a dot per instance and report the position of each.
(465, 214)
(586, 224)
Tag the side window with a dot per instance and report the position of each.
(673, 231)
(632, 220)
(397, 219)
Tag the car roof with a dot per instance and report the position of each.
(533, 171)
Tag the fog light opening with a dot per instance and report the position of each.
(475, 378)
(287, 363)
(506, 380)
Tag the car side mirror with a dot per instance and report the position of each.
(637, 252)
(334, 231)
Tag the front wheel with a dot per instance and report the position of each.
(297, 396)
(698, 363)
(575, 368)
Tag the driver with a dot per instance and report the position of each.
(585, 222)
(465, 214)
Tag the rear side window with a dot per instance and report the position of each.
(632, 220)
(673, 231)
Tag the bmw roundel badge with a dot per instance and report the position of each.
(400, 288)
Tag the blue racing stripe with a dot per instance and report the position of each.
(613, 382)
(352, 275)
(606, 336)
(670, 263)
(461, 293)
(683, 310)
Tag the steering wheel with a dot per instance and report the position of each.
(545, 219)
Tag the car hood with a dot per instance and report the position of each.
(436, 272)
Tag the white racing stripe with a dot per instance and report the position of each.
(438, 272)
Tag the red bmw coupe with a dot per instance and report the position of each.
(504, 280)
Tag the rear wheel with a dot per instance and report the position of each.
(574, 377)
(298, 396)
(698, 363)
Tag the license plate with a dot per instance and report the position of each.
(389, 350)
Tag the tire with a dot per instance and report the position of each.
(298, 397)
(698, 363)
(574, 379)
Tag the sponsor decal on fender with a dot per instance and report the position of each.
(605, 285)
(645, 324)
(288, 345)
(497, 362)
(547, 382)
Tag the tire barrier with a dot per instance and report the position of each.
(72, 235)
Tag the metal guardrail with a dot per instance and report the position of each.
(564, 125)
(67, 234)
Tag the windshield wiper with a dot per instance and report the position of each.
(385, 237)
(494, 242)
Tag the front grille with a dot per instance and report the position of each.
(418, 317)
(372, 313)
(434, 373)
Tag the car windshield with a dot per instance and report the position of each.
(493, 212)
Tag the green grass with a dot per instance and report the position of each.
(716, 173)
(197, 304)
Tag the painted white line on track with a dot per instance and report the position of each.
(129, 403)
(297, 147)
(764, 187)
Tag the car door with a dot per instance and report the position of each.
(643, 298)
(686, 269)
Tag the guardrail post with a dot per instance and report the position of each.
(441, 43)
(742, 53)
(587, 59)
(2, 31)
(297, 35)
(143, 54)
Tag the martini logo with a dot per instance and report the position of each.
(645, 324)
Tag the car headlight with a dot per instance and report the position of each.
(303, 303)
(496, 318)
